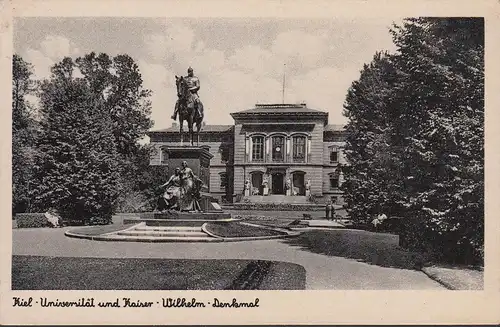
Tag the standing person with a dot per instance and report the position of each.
(333, 212)
(328, 210)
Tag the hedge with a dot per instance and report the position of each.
(31, 220)
(278, 206)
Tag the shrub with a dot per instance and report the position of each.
(278, 207)
(450, 246)
(31, 220)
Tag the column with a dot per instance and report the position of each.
(268, 148)
(247, 146)
(288, 149)
(308, 153)
(288, 182)
(250, 152)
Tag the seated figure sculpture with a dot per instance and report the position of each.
(182, 191)
(171, 196)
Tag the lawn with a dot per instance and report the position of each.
(66, 273)
(235, 229)
(374, 248)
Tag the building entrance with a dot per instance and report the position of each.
(256, 183)
(299, 183)
(278, 182)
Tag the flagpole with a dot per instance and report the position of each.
(283, 90)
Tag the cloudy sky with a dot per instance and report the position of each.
(240, 62)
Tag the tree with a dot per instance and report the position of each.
(416, 135)
(23, 133)
(440, 98)
(77, 166)
(372, 173)
(118, 82)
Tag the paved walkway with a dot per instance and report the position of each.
(323, 272)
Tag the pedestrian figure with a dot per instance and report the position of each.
(333, 212)
(328, 210)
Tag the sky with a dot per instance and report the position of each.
(239, 61)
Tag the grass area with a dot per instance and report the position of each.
(374, 248)
(456, 278)
(100, 229)
(66, 273)
(235, 229)
(280, 222)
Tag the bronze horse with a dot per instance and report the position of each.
(187, 110)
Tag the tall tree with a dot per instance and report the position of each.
(119, 82)
(440, 100)
(416, 135)
(23, 132)
(77, 166)
(372, 174)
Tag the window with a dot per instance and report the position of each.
(299, 148)
(334, 155)
(257, 148)
(223, 180)
(164, 156)
(278, 148)
(224, 154)
(334, 181)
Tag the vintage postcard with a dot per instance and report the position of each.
(249, 162)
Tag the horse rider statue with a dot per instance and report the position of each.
(193, 84)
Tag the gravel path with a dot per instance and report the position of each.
(323, 271)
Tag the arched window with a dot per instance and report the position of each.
(257, 148)
(278, 148)
(299, 149)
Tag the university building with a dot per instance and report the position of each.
(278, 151)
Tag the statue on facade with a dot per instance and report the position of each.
(188, 106)
(265, 186)
(171, 196)
(288, 187)
(247, 188)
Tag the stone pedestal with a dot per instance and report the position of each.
(197, 158)
(308, 193)
(288, 192)
(265, 191)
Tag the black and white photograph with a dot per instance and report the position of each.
(246, 154)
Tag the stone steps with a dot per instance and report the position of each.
(169, 228)
(154, 239)
(152, 233)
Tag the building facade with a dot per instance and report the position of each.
(272, 149)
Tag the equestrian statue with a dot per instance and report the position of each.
(188, 105)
